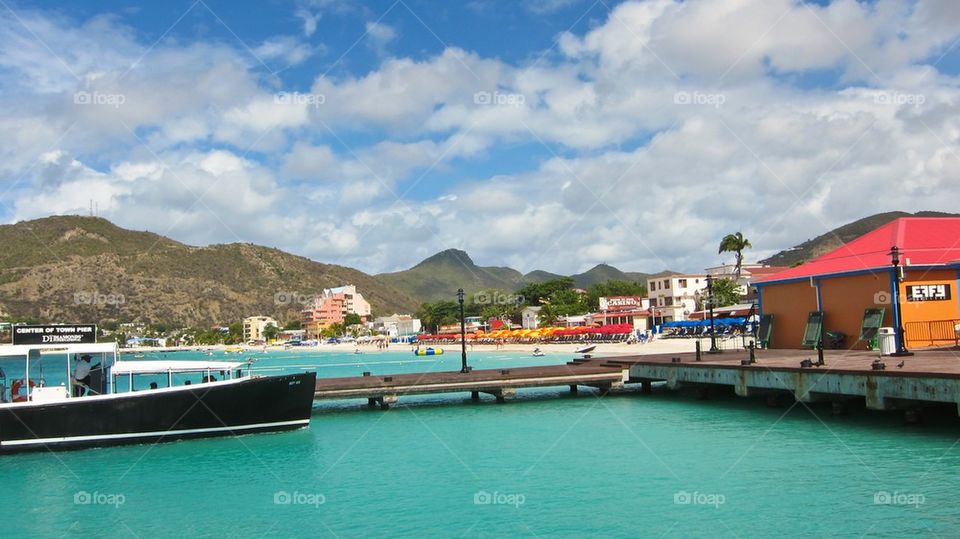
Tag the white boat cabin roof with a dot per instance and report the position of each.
(161, 367)
(21, 350)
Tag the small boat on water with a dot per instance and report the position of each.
(538, 352)
(428, 352)
(233, 350)
(585, 349)
(127, 402)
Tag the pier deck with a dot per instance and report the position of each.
(384, 390)
(929, 376)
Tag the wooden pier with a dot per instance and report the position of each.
(384, 390)
(908, 383)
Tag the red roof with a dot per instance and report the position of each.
(923, 241)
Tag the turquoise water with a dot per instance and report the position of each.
(544, 464)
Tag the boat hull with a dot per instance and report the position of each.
(265, 404)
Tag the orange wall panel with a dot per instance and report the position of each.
(789, 303)
(844, 299)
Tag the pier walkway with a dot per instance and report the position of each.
(384, 390)
(908, 383)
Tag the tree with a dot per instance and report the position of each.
(535, 293)
(438, 313)
(612, 288)
(270, 332)
(352, 319)
(735, 243)
(293, 325)
(725, 292)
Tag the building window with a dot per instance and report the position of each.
(682, 283)
(669, 301)
(666, 284)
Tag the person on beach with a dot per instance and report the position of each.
(81, 376)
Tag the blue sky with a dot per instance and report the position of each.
(551, 134)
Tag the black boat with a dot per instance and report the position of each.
(129, 402)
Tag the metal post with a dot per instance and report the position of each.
(698, 349)
(713, 334)
(897, 313)
(463, 334)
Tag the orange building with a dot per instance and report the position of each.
(845, 282)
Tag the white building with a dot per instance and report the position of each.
(530, 317)
(397, 325)
(253, 327)
(674, 297)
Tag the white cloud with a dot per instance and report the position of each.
(666, 125)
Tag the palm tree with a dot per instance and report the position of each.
(735, 243)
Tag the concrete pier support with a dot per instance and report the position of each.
(475, 396)
(573, 389)
(503, 393)
(646, 387)
(383, 402)
(838, 407)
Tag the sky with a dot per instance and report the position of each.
(547, 134)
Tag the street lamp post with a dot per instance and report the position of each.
(898, 320)
(713, 334)
(463, 334)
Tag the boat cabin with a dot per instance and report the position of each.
(43, 373)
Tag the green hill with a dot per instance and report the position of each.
(539, 276)
(70, 268)
(835, 238)
(439, 277)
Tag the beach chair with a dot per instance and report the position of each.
(764, 331)
(813, 332)
(872, 320)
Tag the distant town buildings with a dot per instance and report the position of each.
(397, 325)
(633, 310)
(675, 297)
(331, 307)
(253, 327)
(530, 317)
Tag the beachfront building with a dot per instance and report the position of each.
(633, 310)
(674, 297)
(530, 317)
(397, 325)
(843, 283)
(253, 327)
(331, 307)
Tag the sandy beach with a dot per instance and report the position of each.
(657, 346)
